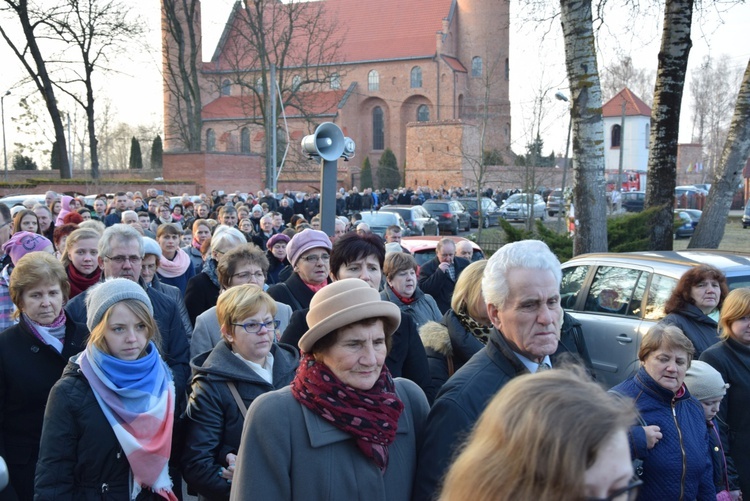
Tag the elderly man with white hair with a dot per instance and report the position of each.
(521, 289)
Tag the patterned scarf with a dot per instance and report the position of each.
(52, 334)
(175, 267)
(370, 416)
(137, 398)
(209, 268)
(80, 282)
(479, 331)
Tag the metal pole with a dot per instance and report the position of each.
(272, 100)
(622, 147)
(5, 151)
(328, 196)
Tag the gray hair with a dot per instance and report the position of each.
(122, 233)
(42, 206)
(529, 254)
(130, 213)
(267, 217)
(227, 235)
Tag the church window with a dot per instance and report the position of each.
(378, 126)
(423, 113)
(335, 81)
(245, 140)
(416, 77)
(476, 67)
(226, 87)
(210, 140)
(373, 80)
(616, 133)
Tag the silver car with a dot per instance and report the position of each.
(618, 297)
(518, 207)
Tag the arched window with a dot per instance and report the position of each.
(373, 80)
(647, 128)
(423, 113)
(476, 66)
(335, 81)
(210, 140)
(226, 87)
(296, 82)
(245, 140)
(416, 77)
(616, 132)
(378, 129)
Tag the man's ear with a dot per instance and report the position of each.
(100, 260)
(493, 315)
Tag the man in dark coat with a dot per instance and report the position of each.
(438, 276)
(121, 205)
(521, 288)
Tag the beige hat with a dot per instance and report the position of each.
(346, 302)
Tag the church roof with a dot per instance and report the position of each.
(248, 107)
(366, 30)
(633, 107)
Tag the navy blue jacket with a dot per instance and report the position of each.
(701, 329)
(438, 284)
(679, 466)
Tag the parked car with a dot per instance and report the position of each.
(516, 207)
(618, 297)
(686, 196)
(555, 202)
(684, 227)
(380, 221)
(14, 200)
(423, 248)
(490, 211)
(451, 215)
(416, 217)
(632, 201)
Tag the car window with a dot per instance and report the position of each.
(573, 279)
(658, 294)
(612, 290)
(420, 212)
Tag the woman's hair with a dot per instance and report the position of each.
(352, 247)
(243, 254)
(536, 439)
(168, 229)
(96, 338)
(200, 222)
(238, 303)
(736, 306)
(681, 295)
(178, 206)
(226, 235)
(75, 237)
(20, 215)
(95, 225)
(322, 344)
(34, 269)
(669, 337)
(396, 262)
(468, 289)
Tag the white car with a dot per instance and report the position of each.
(517, 207)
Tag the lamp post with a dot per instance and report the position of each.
(5, 151)
(562, 97)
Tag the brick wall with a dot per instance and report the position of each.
(217, 171)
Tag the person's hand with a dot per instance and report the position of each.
(653, 435)
(736, 495)
(444, 267)
(228, 472)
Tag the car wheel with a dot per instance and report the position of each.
(455, 229)
(551, 214)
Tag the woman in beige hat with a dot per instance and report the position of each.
(345, 428)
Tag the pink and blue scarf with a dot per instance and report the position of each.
(137, 398)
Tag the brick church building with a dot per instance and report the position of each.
(426, 78)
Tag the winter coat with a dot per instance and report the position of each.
(572, 343)
(28, 370)
(725, 474)
(422, 310)
(289, 452)
(214, 420)
(274, 268)
(293, 292)
(436, 283)
(80, 458)
(678, 467)
(176, 295)
(181, 281)
(207, 331)
(732, 359)
(701, 329)
(201, 294)
(437, 346)
(195, 257)
(457, 407)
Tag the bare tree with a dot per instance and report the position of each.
(588, 129)
(623, 73)
(29, 53)
(665, 114)
(710, 229)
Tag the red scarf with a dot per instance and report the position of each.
(80, 282)
(370, 416)
(405, 300)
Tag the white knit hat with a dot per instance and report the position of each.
(704, 382)
(104, 295)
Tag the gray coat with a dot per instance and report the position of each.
(288, 452)
(207, 331)
(422, 310)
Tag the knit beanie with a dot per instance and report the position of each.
(304, 241)
(23, 242)
(104, 295)
(704, 382)
(150, 246)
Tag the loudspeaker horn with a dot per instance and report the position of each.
(327, 142)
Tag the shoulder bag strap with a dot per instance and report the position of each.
(237, 398)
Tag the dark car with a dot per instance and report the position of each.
(423, 248)
(555, 202)
(490, 211)
(684, 226)
(380, 221)
(450, 214)
(416, 217)
(632, 201)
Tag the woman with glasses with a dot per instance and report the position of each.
(309, 253)
(670, 437)
(574, 438)
(245, 364)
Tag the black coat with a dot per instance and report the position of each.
(214, 421)
(701, 329)
(80, 457)
(201, 294)
(28, 370)
(274, 268)
(439, 285)
(293, 292)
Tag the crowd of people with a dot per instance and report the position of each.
(231, 346)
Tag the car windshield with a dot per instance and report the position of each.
(378, 219)
(518, 198)
(436, 207)
(405, 213)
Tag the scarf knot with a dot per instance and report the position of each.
(175, 267)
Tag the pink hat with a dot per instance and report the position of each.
(304, 241)
(277, 238)
(23, 242)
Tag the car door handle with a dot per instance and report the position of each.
(624, 338)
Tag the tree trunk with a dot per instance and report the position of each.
(90, 119)
(710, 229)
(588, 129)
(665, 119)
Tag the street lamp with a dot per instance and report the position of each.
(5, 151)
(562, 97)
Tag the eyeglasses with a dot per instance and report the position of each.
(258, 275)
(255, 327)
(314, 258)
(627, 493)
(122, 259)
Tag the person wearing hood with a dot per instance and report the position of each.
(226, 381)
